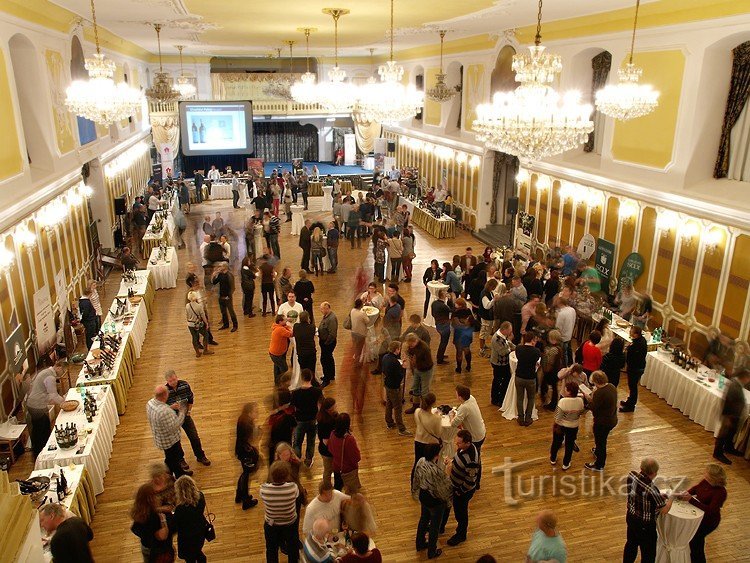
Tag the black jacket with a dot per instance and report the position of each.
(636, 356)
(430, 275)
(393, 373)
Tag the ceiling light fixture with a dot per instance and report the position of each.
(336, 95)
(304, 90)
(184, 86)
(440, 92)
(99, 98)
(534, 121)
(628, 99)
(161, 91)
(389, 101)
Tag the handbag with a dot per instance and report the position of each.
(348, 322)
(350, 478)
(199, 324)
(210, 529)
(250, 459)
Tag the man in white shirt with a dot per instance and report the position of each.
(42, 392)
(326, 505)
(236, 190)
(441, 192)
(566, 321)
(213, 174)
(290, 309)
(469, 417)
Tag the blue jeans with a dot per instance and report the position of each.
(333, 257)
(444, 330)
(305, 428)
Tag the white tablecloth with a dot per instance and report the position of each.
(509, 409)
(675, 530)
(298, 218)
(97, 446)
(260, 242)
(168, 228)
(700, 401)
(327, 198)
(434, 287)
(221, 191)
(137, 328)
(139, 287)
(164, 273)
(72, 476)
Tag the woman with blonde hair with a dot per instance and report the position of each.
(357, 515)
(197, 322)
(317, 245)
(189, 522)
(709, 495)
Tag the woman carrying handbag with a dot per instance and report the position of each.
(189, 522)
(346, 456)
(246, 451)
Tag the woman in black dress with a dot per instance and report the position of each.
(304, 290)
(248, 273)
(89, 318)
(189, 522)
(247, 452)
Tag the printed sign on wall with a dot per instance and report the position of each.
(605, 260)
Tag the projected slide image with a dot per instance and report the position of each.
(212, 128)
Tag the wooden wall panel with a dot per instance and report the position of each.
(610, 227)
(708, 283)
(736, 293)
(541, 221)
(646, 245)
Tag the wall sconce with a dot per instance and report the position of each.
(474, 162)
(567, 191)
(52, 214)
(85, 191)
(628, 210)
(524, 176)
(415, 144)
(428, 148)
(74, 198)
(688, 231)
(461, 158)
(543, 182)
(444, 153)
(24, 237)
(7, 259)
(665, 222)
(404, 140)
(712, 240)
(594, 198)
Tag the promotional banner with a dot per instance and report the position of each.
(350, 149)
(255, 166)
(62, 292)
(44, 321)
(525, 233)
(587, 246)
(15, 350)
(631, 270)
(605, 260)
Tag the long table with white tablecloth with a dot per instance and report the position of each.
(444, 227)
(94, 445)
(164, 272)
(81, 499)
(700, 400)
(154, 236)
(142, 286)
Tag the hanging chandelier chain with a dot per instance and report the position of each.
(180, 48)
(96, 29)
(442, 37)
(157, 27)
(391, 29)
(336, 15)
(635, 25)
(291, 55)
(538, 37)
(307, 47)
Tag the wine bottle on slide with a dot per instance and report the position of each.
(194, 130)
(202, 132)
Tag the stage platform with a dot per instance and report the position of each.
(324, 168)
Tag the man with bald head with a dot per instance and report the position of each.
(165, 426)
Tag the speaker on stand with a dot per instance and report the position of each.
(513, 212)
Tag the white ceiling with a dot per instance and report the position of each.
(236, 27)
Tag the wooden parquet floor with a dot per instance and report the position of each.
(591, 508)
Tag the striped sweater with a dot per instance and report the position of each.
(464, 470)
(280, 503)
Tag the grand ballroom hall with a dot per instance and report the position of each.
(384, 280)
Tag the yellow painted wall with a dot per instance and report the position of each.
(474, 93)
(432, 110)
(649, 140)
(11, 161)
(60, 115)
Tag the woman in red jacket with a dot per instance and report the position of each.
(346, 456)
(591, 355)
(708, 495)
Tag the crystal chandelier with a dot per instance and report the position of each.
(161, 91)
(389, 101)
(336, 95)
(99, 99)
(304, 90)
(628, 99)
(440, 92)
(534, 121)
(184, 86)
(281, 87)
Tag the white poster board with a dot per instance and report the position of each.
(350, 149)
(586, 246)
(62, 292)
(44, 321)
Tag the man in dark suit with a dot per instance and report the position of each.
(467, 262)
(198, 177)
(636, 361)
(305, 243)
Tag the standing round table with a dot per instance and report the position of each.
(509, 408)
(675, 530)
(260, 245)
(373, 313)
(298, 218)
(434, 288)
(327, 198)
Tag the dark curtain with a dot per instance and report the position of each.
(503, 181)
(188, 164)
(283, 141)
(739, 91)
(601, 65)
